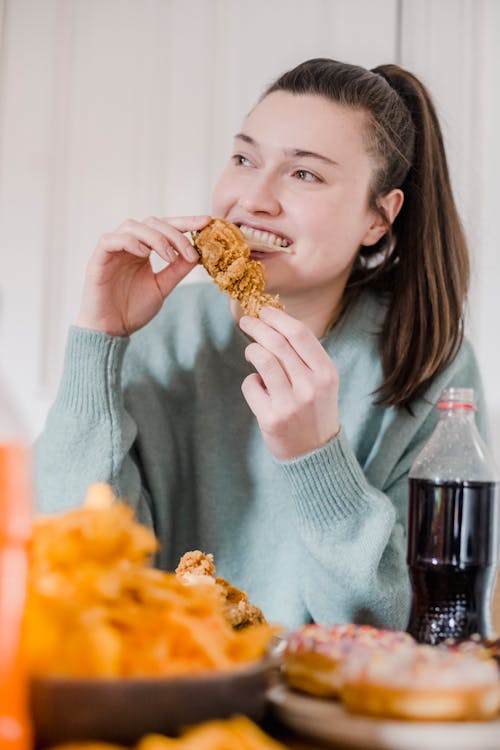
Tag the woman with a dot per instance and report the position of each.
(287, 457)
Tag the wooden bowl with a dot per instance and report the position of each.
(123, 710)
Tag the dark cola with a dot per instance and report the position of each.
(452, 558)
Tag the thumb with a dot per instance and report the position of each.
(168, 278)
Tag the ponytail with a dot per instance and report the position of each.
(423, 329)
(425, 269)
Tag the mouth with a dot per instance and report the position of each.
(262, 241)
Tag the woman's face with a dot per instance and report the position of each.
(297, 184)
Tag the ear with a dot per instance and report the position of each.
(391, 205)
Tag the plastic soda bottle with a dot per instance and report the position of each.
(15, 530)
(453, 521)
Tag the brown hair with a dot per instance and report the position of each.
(425, 267)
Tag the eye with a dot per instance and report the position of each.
(305, 176)
(241, 161)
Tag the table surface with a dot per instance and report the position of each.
(291, 740)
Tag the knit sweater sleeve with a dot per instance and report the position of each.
(88, 434)
(352, 518)
(355, 541)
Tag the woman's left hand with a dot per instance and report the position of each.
(294, 393)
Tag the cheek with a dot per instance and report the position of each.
(338, 224)
(317, 219)
(221, 196)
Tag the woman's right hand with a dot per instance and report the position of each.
(122, 292)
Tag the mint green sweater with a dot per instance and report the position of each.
(161, 416)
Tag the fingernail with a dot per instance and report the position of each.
(192, 254)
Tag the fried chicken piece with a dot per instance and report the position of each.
(238, 610)
(197, 567)
(196, 563)
(226, 256)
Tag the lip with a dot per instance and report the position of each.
(264, 254)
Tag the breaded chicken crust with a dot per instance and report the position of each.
(197, 567)
(226, 256)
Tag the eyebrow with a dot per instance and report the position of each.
(300, 152)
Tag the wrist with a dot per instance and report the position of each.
(87, 323)
(289, 451)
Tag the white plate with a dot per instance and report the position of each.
(328, 720)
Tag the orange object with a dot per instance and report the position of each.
(15, 530)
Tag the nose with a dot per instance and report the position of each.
(261, 195)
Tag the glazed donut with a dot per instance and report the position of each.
(315, 654)
(426, 683)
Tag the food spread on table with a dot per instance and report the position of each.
(388, 674)
(96, 607)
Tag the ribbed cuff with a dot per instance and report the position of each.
(92, 372)
(327, 484)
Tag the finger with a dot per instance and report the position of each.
(270, 370)
(278, 345)
(116, 242)
(175, 227)
(255, 394)
(175, 237)
(170, 276)
(152, 237)
(187, 223)
(300, 337)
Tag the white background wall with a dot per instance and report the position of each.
(116, 108)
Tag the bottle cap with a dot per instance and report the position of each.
(457, 398)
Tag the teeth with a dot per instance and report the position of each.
(259, 237)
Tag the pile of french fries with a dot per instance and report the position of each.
(96, 607)
(238, 733)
